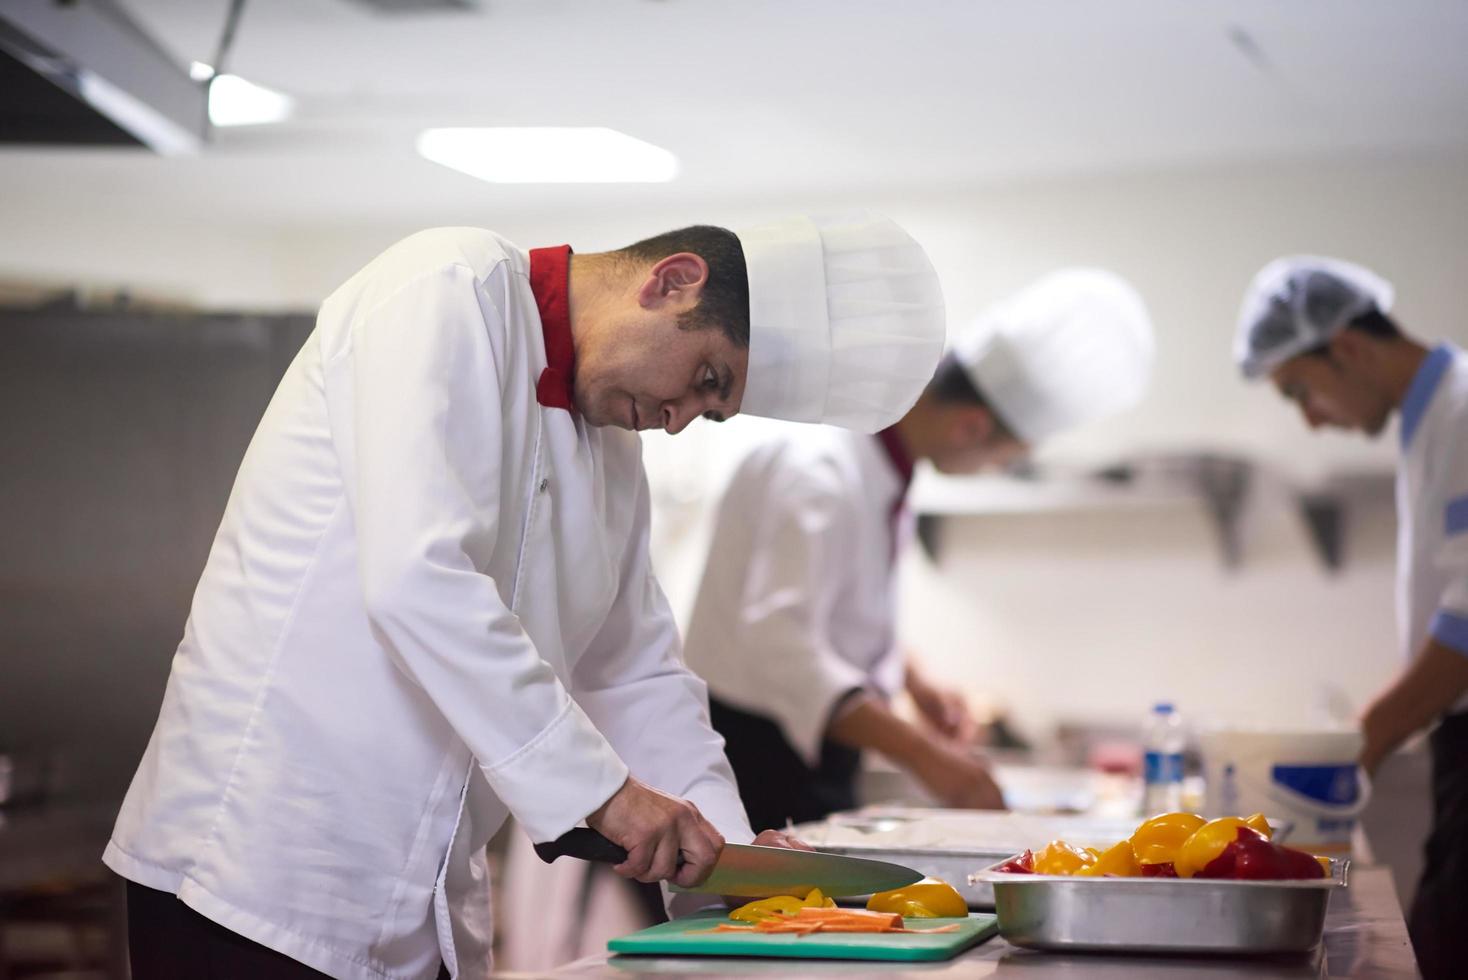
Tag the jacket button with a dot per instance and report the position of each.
(544, 485)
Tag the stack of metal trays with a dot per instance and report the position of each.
(1161, 915)
(953, 844)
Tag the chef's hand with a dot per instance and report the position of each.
(656, 829)
(958, 779)
(778, 838)
(943, 708)
(1375, 746)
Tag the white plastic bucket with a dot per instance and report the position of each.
(1308, 776)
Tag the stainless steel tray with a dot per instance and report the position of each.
(952, 844)
(1161, 915)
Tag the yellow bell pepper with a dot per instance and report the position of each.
(1205, 844)
(1117, 861)
(1060, 858)
(767, 908)
(1209, 840)
(1257, 822)
(1229, 848)
(771, 908)
(930, 898)
(816, 900)
(1157, 840)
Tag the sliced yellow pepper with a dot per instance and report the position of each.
(1205, 844)
(772, 908)
(1060, 858)
(767, 908)
(1117, 861)
(1209, 840)
(1157, 840)
(816, 900)
(930, 898)
(1257, 822)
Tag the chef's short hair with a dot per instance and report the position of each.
(1377, 324)
(724, 302)
(1373, 323)
(953, 385)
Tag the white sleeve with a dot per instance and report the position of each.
(791, 588)
(633, 684)
(417, 414)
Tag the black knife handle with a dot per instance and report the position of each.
(583, 843)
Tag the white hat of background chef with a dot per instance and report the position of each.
(1299, 302)
(845, 321)
(1073, 346)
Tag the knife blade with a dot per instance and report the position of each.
(752, 870)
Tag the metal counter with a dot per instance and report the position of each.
(1365, 936)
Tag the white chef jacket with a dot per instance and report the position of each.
(1432, 507)
(796, 606)
(429, 604)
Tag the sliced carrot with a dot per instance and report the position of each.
(877, 920)
(848, 920)
(807, 921)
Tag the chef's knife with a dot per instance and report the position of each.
(753, 871)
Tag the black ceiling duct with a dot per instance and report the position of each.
(81, 72)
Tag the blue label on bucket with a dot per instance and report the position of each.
(1334, 785)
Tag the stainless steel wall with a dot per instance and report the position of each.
(120, 434)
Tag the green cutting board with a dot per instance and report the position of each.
(682, 938)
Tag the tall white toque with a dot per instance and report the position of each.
(846, 321)
(1073, 346)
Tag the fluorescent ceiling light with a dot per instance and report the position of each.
(236, 102)
(548, 155)
(152, 127)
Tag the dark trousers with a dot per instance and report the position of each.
(167, 940)
(1438, 922)
(775, 783)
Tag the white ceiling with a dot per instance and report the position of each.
(761, 99)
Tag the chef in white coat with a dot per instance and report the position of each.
(1320, 330)
(793, 623)
(429, 605)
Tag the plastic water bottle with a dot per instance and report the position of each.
(1162, 765)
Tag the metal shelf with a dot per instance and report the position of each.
(1221, 483)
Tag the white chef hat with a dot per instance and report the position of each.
(845, 320)
(1299, 302)
(1073, 346)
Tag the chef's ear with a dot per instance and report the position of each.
(1352, 348)
(674, 281)
(970, 426)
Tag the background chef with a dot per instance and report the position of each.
(429, 605)
(792, 626)
(1320, 330)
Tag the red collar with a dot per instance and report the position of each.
(897, 453)
(550, 271)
